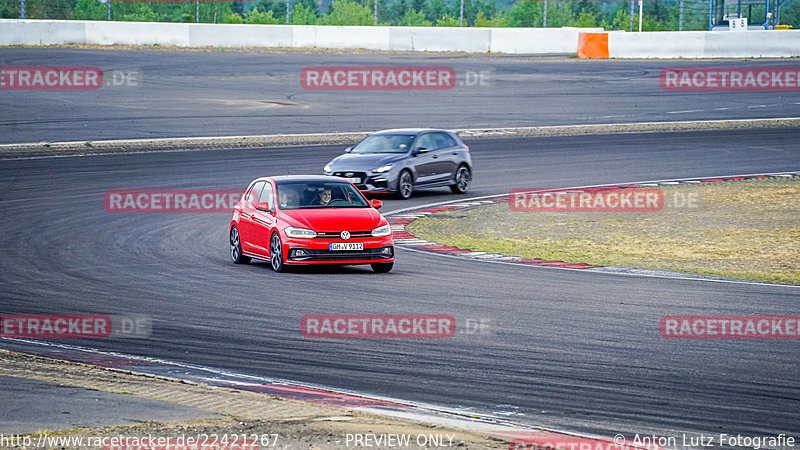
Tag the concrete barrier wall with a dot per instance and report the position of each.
(667, 44)
(426, 39)
(705, 44)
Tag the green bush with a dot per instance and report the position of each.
(89, 10)
(346, 12)
(498, 21)
(232, 18)
(447, 21)
(414, 19)
(303, 15)
(263, 18)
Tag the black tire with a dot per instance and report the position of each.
(463, 179)
(382, 267)
(405, 185)
(276, 253)
(236, 248)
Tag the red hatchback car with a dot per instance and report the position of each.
(299, 219)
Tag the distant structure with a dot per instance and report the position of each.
(760, 14)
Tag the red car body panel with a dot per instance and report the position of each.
(256, 228)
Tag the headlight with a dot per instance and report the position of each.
(327, 168)
(384, 168)
(295, 232)
(384, 230)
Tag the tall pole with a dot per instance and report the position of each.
(544, 19)
(461, 15)
(710, 15)
(108, 9)
(197, 13)
(375, 14)
(21, 9)
(680, 17)
(640, 16)
(632, 11)
(287, 11)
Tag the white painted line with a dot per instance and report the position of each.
(689, 111)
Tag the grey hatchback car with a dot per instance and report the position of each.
(402, 160)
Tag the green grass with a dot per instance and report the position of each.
(743, 229)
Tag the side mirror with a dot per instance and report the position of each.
(348, 149)
(263, 206)
(421, 150)
(376, 203)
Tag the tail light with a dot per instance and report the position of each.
(466, 147)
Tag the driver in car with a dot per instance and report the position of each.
(325, 197)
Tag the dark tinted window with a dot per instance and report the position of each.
(426, 141)
(266, 195)
(254, 193)
(384, 143)
(443, 140)
(303, 195)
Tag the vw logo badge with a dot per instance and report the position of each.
(345, 235)
(349, 174)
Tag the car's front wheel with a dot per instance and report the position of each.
(382, 267)
(405, 185)
(236, 248)
(463, 179)
(276, 253)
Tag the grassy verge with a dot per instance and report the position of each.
(741, 229)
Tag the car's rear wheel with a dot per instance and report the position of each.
(463, 179)
(276, 253)
(382, 267)
(405, 185)
(236, 248)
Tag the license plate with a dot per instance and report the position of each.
(346, 246)
(354, 180)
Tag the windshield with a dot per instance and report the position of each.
(384, 143)
(319, 195)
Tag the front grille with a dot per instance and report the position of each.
(327, 255)
(337, 234)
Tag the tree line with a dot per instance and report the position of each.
(659, 15)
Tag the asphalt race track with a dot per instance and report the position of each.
(222, 93)
(565, 349)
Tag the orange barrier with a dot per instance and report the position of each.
(593, 45)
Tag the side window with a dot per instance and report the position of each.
(426, 141)
(266, 195)
(443, 140)
(253, 195)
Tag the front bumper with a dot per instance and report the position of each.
(316, 251)
(374, 183)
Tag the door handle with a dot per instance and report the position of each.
(435, 156)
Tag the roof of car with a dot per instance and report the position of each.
(308, 178)
(407, 130)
